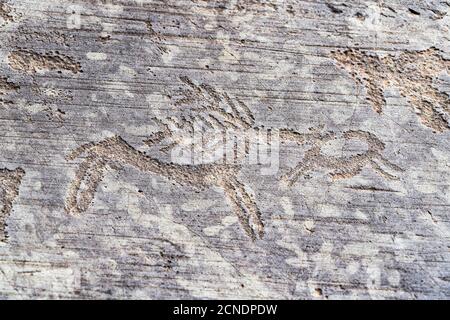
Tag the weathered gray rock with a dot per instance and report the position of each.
(103, 191)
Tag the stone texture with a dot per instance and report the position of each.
(96, 96)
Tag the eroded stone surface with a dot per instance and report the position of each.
(9, 190)
(95, 97)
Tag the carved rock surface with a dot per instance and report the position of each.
(107, 191)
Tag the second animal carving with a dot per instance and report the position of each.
(216, 110)
(412, 72)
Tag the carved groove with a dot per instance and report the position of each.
(412, 72)
(209, 108)
(9, 190)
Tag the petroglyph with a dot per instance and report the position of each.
(6, 14)
(115, 152)
(203, 108)
(157, 208)
(6, 86)
(208, 107)
(23, 35)
(207, 110)
(412, 72)
(9, 190)
(32, 62)
(341, 167)
(215, 105)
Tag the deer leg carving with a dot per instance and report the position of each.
(244, 206)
